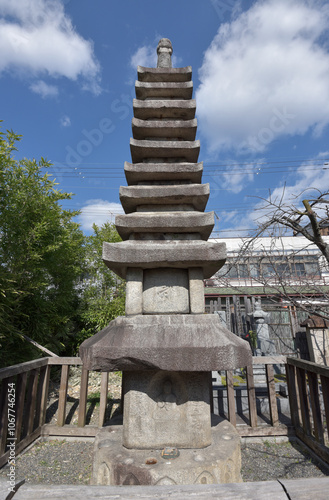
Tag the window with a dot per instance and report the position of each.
(289, 266)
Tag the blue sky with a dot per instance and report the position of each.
(261, 80)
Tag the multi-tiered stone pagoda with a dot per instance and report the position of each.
(165, 345)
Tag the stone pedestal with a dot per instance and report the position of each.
(165, 408)
(218, 463)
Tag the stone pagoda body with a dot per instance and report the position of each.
(165, 345)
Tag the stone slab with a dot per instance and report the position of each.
(196, 289)
(164, 74)
(141, 172)
(134, 291)
(318, 345)
(218, 463)
(166, 291)
(182, 129)
(132, 197)
(180, 90)
(208, 255)
(163, 409)
(172, 222)
(182, 342)
(170, 109)
(144, 149)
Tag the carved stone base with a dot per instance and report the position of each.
(166, 409)
(218, 463)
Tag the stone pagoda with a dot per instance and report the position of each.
(165, 345)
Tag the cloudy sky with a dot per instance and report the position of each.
(261, 80)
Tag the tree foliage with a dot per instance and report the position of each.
(103, 293)
(41, 254)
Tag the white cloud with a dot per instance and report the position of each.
(98, 212)
(306, 182)
(44, 89)
(310, 179)
(264, 75)
(144, 56)
(38, 38)
(65, 121)
(235, 177)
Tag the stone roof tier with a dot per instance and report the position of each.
(164, 254)
(160, 172)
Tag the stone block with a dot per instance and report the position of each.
(318, 345)
(181, 342)
(218, 463)
(134, 291)
(164, 129)
(209, 255)
(142, 172)
(145, 149)
(168, 109)
(165, 291)
(195, 195)
(164, 409)
(164, 74)
(162, 222)
(196, 289)
(178, 90)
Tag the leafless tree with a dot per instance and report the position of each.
(286, 272)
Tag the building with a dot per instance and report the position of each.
(288, 275)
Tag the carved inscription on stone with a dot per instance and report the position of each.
(166, 409)
(165, 291)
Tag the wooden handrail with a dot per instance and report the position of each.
(304, 381)
(11, 371)
(309, 366)
(32, 381)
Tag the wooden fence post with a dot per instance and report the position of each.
(63, 395)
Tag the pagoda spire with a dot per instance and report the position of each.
(164, 51)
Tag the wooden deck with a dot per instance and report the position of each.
(298, 489)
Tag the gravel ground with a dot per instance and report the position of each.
(269, 460)
(67, 462)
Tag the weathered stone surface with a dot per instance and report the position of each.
(164, 51)
(218, 463)
(166, 409)
(196, 289)
(180, 90)
(195, 195)
(182, 129)
(134, 291)
(143, 172)
(182, 342)
(144, 149)
(210, 255)
(164, 74)
(318, 344)
(171, 222)
(165, 291)
(170, 109)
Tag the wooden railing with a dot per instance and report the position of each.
(309, 404)
(23, 403)
(255, 428)
(31, 382)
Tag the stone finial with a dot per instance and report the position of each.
(164, 51)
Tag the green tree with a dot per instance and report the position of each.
(41, 255)
(103, 293)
